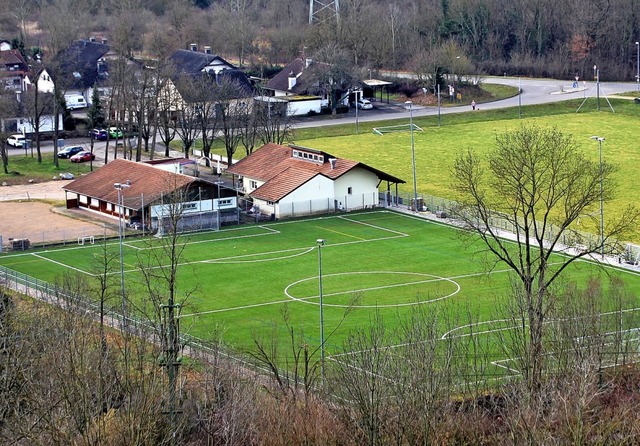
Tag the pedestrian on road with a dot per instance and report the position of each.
(473, 104)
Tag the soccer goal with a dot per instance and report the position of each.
(396, 128)
(632, 254)
(87, 239)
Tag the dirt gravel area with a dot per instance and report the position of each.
(41, 222)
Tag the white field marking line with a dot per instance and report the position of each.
(129, 245)
(382, 287)
(61, 264)
(511, 369)
(340, 233)
(447, 334)
(224, 259)
(243, 307)
(271, 232)
(228, 259)
(374, 226)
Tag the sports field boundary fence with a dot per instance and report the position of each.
(55, 295)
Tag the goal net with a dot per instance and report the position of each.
(395, 128)
(632, 254)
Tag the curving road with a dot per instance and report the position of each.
(534, 91)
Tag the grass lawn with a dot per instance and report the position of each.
(24, 168)
(436, 147)
(242, 279)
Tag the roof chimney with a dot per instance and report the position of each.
(92, 39)
(207, 50)
(332, 162)
(307, 62)
(194, 47)
(292, 81)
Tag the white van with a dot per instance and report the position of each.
(74, 101)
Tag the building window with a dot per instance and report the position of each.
(349, 190)
(253, 184)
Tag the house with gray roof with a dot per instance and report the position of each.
(192, 62)
(287, 181)
(78, 69)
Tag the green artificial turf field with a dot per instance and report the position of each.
(240, 280)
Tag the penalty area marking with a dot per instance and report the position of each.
(431, 278)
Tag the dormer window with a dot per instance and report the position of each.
(301, 154)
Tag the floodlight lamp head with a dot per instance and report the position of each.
(320, 242)
(408, 102)
(598, 138)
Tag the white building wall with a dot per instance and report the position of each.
(301, 108)
(47, 124)
(319, 187)
(364, 188)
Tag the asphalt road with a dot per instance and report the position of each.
(534, 91)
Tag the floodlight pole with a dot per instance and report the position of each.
(357, 129)
(320, 243)
(600, 139)
(638, 65)
(218, 183)
(413, 156)
(119, 187)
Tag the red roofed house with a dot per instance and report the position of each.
(146, 196)
(287, 181)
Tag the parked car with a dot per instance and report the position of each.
(99, 134)
(69, 151)
(82, 156)
(115, 132)
(363, 104)
(16, 140)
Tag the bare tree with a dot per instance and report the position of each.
(332, 70)
(539, 184)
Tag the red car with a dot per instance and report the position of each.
(82, 156)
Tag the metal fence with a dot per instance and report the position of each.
(79, 304)
(571, 238)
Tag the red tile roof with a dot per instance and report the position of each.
(274, 165)
(147, 183)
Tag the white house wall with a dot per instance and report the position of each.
(47, 124)
(364, 188)
(302, 108)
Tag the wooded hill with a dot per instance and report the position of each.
(559, 39)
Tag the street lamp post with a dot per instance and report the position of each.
(357, 124)
(413, 156)
(119, 187)
(600, 139)
(638, 65)
(320, 243)
(218, 183)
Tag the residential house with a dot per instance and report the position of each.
(205, 67)
(192, 62)
(14, 70)
(294, 87)
(25, 116)
(79, 68)
(286, 181)
(144, 194)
